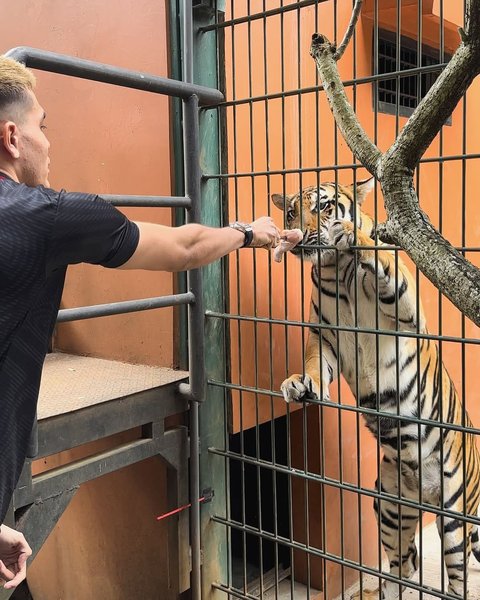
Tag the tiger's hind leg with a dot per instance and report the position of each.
(397, 526)
(457, 539)
(476, 542)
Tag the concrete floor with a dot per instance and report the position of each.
(431, 577)
(431, 572)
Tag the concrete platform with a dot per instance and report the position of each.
(431, 571)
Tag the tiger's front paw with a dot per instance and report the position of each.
(341, 234)
(300, 388)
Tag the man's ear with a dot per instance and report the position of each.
(362, 189)
(279, 201)
(9, 138)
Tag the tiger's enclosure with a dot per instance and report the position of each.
(326, 444)
(349, 331)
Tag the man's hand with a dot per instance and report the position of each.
(265, 233)
(14, 552)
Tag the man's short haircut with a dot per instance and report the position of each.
(15, 83)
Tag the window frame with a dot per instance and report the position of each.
(410, 44)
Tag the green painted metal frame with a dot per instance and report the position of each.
(213, 415)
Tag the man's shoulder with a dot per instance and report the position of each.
(11, 190)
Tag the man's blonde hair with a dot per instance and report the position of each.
(15, 82)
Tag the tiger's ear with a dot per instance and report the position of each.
(363, 188)
(279, 200)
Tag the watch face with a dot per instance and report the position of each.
(239, 226)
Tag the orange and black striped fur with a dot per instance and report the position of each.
(372, 290)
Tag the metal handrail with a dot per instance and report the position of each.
(149, 201)
(193, 96)
(87, 69)
(119, 308)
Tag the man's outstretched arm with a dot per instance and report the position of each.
(162, 248)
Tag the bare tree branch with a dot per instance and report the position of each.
(360, 144)
(350, 29)
(407, 225)
(410, 228)
(472, 21)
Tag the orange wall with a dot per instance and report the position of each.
(105, 139)
(281, 136)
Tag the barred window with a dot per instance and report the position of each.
(410, 88)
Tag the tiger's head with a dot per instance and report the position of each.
(313, 210)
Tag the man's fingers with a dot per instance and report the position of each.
(4, 572)
(21, 574)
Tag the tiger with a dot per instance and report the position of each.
(407, 371)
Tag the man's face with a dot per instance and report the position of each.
(33, 145)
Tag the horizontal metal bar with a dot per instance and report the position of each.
(317, 88)
(320, 326)
(311, 551)
(75, 473)
(347, 487)
(120, 308)
(148, 201)
(263, 15)
(312, 169)
(94, 71)
(445, 426)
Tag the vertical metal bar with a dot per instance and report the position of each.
(196, 336)
(443, 432)
(255, 306)
(463, 395)
(270, 315)
(241, 433)
(196, 311)
(181, 313)
(417, 307)
(377, 307)
(356, 324)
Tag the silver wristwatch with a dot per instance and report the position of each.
(246, 229)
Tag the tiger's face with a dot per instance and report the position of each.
(314, 209)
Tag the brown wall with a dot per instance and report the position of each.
(106, 140)
(284, 137)
(108, 543)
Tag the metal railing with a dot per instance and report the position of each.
(193, 97)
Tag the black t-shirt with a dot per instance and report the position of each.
(41, 233)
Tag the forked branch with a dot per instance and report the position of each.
(407, 224)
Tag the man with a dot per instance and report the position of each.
(41, 233)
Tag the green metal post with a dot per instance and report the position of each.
(212, 412)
